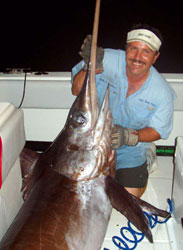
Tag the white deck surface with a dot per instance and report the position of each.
(158, 190)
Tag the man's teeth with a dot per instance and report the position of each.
(137, 63)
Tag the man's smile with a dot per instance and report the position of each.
(137, 62)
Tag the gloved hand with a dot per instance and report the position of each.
(85, 53)
(121, 136)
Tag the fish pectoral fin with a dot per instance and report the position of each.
(28, 160)
(150, 209)
(123, 202)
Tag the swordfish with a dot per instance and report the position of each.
(69, 189)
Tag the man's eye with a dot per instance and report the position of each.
(132, 48)
(146, 51)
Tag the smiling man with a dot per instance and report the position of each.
(141, 101)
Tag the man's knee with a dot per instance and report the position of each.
(138, 192)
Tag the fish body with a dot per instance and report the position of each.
(67, 206)
(70, 190)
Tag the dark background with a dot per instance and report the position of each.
(46, 36)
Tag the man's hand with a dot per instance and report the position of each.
(85, 53)
(121, 136)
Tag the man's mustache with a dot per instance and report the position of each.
(137, 61)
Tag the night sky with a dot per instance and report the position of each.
(47, 36)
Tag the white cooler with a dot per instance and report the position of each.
(177, 191)
(12, 141)
(175, 224)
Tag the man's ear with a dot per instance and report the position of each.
(156, 57)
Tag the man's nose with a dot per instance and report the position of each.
(137, 55)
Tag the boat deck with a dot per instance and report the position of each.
(158, 190)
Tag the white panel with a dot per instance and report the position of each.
(44, 124)
(52, 90)
(10, 192)
(3, 224)
(175, 232)
(176, 81)
(12, 135)
(177, 130)
(10, 197)
(178, 181)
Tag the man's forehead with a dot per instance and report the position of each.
(139, 44)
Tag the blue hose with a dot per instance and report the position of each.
(121, 242)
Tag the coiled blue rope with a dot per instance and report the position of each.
(136, 237)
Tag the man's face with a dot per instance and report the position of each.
(139, 58)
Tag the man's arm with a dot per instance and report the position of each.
(78, 81)
(148, 135)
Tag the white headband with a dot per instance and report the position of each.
(145, 36)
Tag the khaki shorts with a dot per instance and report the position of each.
(133, 177)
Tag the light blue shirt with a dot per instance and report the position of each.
(151, 106)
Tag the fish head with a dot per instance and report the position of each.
(87, 132)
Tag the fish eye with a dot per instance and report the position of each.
(78, 119)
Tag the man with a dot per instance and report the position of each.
(141, 101)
